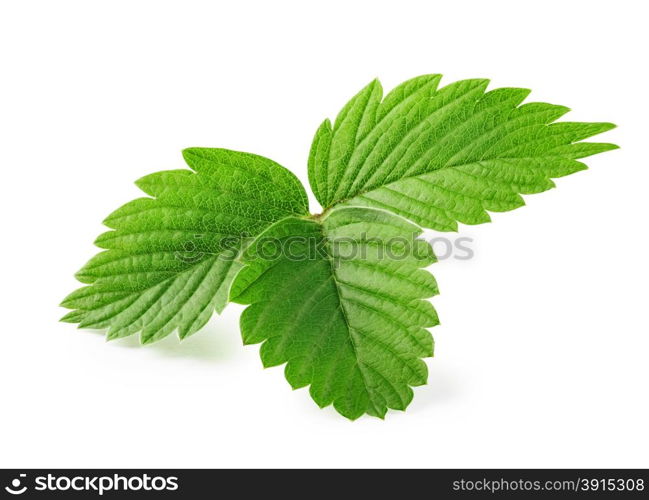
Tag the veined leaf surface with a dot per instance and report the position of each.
(341, 301)
(439, 156)
(341, 297)
(169, 260)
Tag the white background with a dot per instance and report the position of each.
(542, 355)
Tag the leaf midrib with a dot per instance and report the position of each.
(442, 168)
(344, 314)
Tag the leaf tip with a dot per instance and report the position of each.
(84, 277)
(141, 183)
(103, 238)
(353, 418)
(71, 316)
(375, 83)
(190, 153)
(146, 339)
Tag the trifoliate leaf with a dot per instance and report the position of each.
(439, 156)
(338, 297)
(170, 259)
(340, 300)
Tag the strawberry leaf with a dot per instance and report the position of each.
(439, 156)
(341, 301)
(339, 297)
(169, 260)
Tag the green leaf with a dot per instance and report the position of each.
(439, 156)
(339, 297)
(341, 301)
(169, 260)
